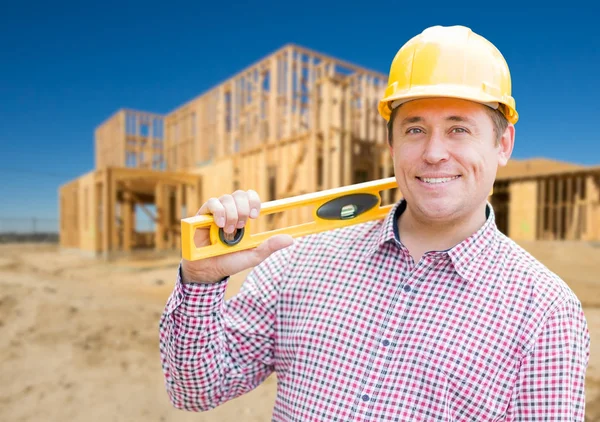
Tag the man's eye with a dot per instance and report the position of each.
(459, 130)
(413, 130)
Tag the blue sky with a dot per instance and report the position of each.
(66, 67)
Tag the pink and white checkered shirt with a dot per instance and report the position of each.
(356, 331)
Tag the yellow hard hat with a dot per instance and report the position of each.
(449, 62)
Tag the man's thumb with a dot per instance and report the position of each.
(271, 245)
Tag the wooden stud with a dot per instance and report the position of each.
(552, 208)
(559, 208)
(347, 135)
(335, 153)
(128, 221)
(108, 211)
(591, 199)
(580, 205)
(541, 207)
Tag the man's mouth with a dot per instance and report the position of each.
(436, 180)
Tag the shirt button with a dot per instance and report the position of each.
(386, 342)
(407, 288)
(365, 397)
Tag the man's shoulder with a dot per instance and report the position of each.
(527, 274)
(321, 247)
(536, 292)
(349, 237)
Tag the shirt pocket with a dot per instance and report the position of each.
(476, 380)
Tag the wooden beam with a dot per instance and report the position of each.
(159, 240)
(326, 130)
(128, 222)
(592, 197)
(312, 116)
(559, 207)
(541, 208)
(107, 212)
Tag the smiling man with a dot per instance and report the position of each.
(430, 314)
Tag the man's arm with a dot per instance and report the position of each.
(551, 381)
(213, 351)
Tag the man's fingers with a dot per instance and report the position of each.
(254, 201)
(231, 212)
(215, 207)
(243, 208)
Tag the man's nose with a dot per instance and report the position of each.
(435, 149)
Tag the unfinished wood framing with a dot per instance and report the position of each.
(98, 210)
(295, 122)
(564, 205)
(132, 139)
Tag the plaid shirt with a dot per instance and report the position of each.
(355, 330)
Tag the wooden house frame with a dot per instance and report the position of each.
(295, 122)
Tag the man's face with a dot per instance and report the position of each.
(446, 157)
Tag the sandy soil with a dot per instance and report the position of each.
(80, 336)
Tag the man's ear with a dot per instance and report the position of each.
(506, 145)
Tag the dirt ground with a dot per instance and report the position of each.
(80, 336)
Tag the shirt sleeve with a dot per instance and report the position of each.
(214, 350)
(550, 384)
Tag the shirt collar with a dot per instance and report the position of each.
(389, 229)
(462, 255)
(465, 255)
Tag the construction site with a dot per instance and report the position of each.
(80, 331)
(295, 122)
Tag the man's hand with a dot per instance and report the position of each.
(230, 212)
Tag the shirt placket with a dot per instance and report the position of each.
(396, 324)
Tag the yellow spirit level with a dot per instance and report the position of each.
(332, 209)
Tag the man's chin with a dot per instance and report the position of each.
(436, 209)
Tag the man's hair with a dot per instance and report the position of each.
(499, 121)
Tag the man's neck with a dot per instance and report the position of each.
(420, 236)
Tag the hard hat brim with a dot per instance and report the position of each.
(448, 91)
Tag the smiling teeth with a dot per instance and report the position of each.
(437, 180)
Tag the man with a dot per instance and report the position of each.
(431, 314)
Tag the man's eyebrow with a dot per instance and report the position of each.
(413, 119)
(461, 119)
(454, 118)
